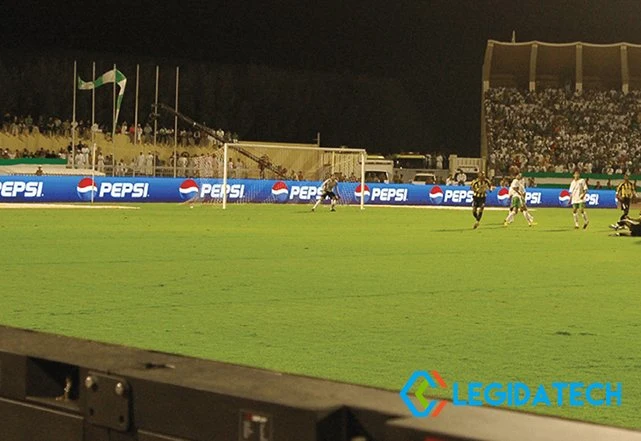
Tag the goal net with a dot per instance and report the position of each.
(237, 163)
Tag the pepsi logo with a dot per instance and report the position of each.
(86, 189)
(503, 196)
(564, 198)
(365, 192)
(188, 189)
(280, 191)
(436, 195)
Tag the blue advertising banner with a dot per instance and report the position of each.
(107, 189)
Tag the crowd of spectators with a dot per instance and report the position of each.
(167, 136)
(437, 160)
(559, 130)
(49, 126)
(53, 126)
(24, 153)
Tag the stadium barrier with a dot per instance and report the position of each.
(107, 189)
(33, 161)
(58, 388)
(594, 179)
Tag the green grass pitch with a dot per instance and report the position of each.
(358, 296)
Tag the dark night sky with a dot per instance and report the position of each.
(435, 47)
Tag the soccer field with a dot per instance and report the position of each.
(357, 296)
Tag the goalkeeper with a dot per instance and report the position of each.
(329, 189)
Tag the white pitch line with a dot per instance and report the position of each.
(441, 207)
(67, 206)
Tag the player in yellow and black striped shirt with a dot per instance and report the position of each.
(480, 186)
(625, 194)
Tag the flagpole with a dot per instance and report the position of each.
(93, 170)
(113, 128)
(156, 107)
(73, 116)
(93, 105)
(136, 106)
(176, 120)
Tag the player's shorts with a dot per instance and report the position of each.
(328, 194)
(580, 205)
(516, 202)
(625, 203)
(635, 229)
(478, 201)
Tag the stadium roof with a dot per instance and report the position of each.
(534, 64)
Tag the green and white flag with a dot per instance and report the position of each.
(108, 77)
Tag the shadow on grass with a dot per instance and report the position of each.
(480, 228)
(557, 230)
(318, 210)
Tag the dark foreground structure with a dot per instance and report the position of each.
(57, 388)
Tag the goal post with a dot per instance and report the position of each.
(270, 161)
(225, 173)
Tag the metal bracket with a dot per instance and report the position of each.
(108, 401)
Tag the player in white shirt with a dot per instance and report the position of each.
(526, 214)
(517, 201)
(578, 191)
(328, 190)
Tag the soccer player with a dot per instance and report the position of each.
(578, 191)
(625, 193)
(517, 201)
(328, 191)
(628, 227)
(528, 217)
(480, 186)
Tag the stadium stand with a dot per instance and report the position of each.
(15, 125)
(555, 107)
(199, 153)
(556, 130)
(49, 137)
